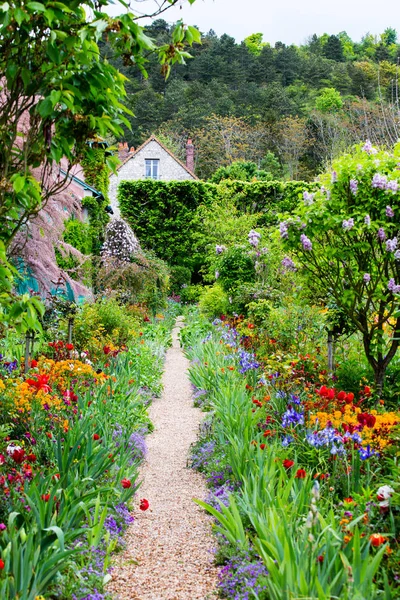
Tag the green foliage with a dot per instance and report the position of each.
(328, 100)
(213, 301)
(171, 217)
(254, 43)
(191, 293)
(236, 268)
(241, 170)
(180, 277)
(76, 233)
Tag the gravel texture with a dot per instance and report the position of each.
(168, 553)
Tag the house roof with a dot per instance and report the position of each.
(83, 184)
(153, 138)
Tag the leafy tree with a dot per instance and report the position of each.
(254, 43)
(58, 91)
(333, 48)
(242, 171)
(329, 100)
(346, 237)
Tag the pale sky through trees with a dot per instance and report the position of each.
(289, 21)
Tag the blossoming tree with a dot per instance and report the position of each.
(347, 236)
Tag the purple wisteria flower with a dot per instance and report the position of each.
(391, 245)
(254, 238)
(393, 287)
(308, 198)
(381, 234)
(347, 225)
(353, 186)
(397, 255)
(389, 212)
(283, 228)
(288, 264)
(367, 220)
(216, 274)
(219, 249)
(334, 177)
(306, 242)
(379, 181)
(367, 277)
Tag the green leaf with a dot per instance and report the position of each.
(36, 6)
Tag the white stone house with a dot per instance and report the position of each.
(152, 160)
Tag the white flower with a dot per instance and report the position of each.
(11, 449)
(384, 494)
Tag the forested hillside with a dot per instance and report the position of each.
(245, 101)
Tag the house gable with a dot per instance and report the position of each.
(134, 167)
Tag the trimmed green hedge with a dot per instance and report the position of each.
(163, 214)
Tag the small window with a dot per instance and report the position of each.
(151, 168)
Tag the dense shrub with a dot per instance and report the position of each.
(213, 301)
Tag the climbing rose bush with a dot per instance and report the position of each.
(347, 236)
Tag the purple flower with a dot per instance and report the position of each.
(393, 287)
(389, 212)
(219, 249)
(254, 238)
(367, 220)
(379, 181)
(288, 264)
(292, 417)
(368, 148)
(392, 185)
(367, 277)
(242, 578)
(334, 177)
(306, 242)
(366, 452)
(308, 198)
(287, 440)
(391, 245)
(397, 255)
(347, 225)
(2, 527)
(353, 186)
(283, 228)
(381, 234)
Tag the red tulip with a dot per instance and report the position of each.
(262, 446)
(106, 349)
(69, 346)
(34, 363)
(323, 391)
(377, 540)
(341, 395)
(367, 390)
(301, 474)
(45, 497)
(18, 456)
(40, 383)
(96, 436)
(331, 394)
(320, 558)
(31, 458)
(144, 504)
(126, 483)
(349, 398)
(2, 564)
(288, 464)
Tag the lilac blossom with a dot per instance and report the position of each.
(391, 245)
(381, 234)
(393, 287)
(308, 198)
(283, 228)
(306, 242)
(367, 220)
(389, 212)
(367, 277)
(254, 238)
(334, 177)
(397, 255)
(288, 264)
(368, 148)
(353, 186)
(393, 185)
(347, 225)
(379, 181)
(219, 249)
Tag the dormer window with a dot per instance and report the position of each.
(152, 168)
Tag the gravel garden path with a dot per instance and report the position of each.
(168, 547)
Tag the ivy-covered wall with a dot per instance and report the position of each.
(164, 216)
(97, 174)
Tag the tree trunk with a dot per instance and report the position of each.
(331, 358)
(379, 372)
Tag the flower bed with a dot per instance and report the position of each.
(71, 440)
(303, 477)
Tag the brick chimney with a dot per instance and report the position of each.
(190, 155)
